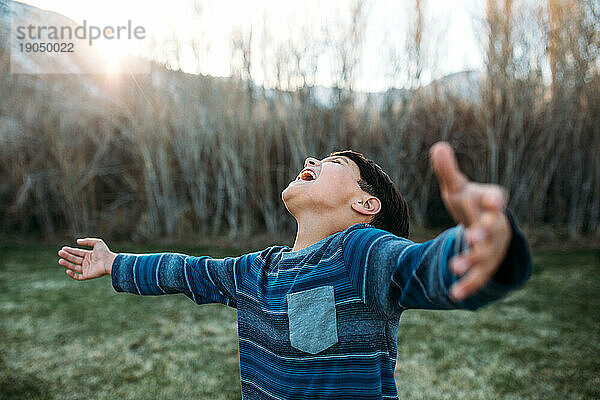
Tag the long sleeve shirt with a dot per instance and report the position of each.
(322, 322)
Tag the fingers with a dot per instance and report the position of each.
(88, 242)
(68, 254)
(71, 260)
(70, 265)
(482, 229)
(73, 275)
(488, 230)
(475, 270)
(76, 251)
(460, 264)
(445, 167)
(477, 199)
(470, 283)
(488, 239)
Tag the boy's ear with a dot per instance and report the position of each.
(367, 206)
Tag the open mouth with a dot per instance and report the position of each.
(307, 175)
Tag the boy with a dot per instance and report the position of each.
(320, 320)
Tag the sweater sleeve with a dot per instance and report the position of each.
(393, 274)
(202, 279)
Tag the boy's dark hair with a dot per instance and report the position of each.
(394, 214)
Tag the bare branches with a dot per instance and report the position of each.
(202, 155)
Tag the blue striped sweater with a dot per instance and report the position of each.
(322, 322)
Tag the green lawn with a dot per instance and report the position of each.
(78, 340)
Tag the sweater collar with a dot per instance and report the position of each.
(288, 254)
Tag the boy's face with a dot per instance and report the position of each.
(326, 186)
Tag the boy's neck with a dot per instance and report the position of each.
(310, 231)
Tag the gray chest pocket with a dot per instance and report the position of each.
(312, 319)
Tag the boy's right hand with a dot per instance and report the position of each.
(84, 264)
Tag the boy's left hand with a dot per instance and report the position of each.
(480, 208)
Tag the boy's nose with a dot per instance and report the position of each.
(311, 162)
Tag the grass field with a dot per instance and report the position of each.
(62, 339)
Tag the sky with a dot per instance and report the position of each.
(451, 40)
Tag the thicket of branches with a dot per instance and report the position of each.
(190, 154)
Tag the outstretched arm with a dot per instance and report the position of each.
(468, 266)
(202, 279)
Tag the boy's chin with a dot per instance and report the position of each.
(288, 193)
(288, 200)
(294, 195)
